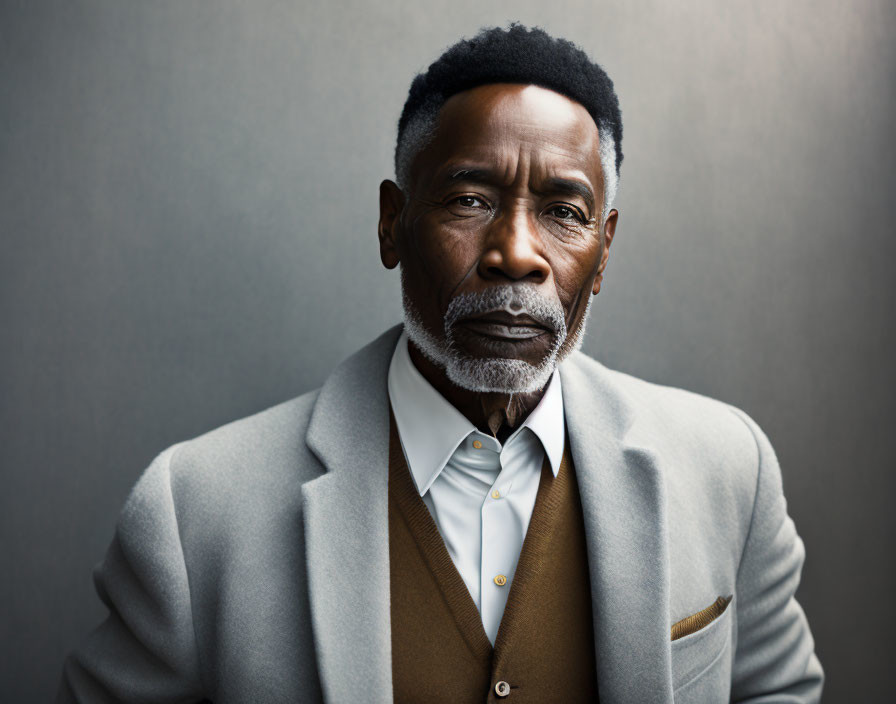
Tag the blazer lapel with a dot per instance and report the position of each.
(345, 512)
(624, 507)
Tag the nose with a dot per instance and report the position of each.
(512, 250)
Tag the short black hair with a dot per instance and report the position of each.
(515, 55)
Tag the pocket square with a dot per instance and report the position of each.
(701, 619)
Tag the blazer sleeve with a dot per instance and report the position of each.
(775, 658)
(146, 649)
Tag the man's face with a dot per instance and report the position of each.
(500, 242)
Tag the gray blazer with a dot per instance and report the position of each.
(251, 564)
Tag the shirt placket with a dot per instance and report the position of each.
(495, 562)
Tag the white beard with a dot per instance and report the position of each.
(495, 375)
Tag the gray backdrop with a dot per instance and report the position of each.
(188, 205)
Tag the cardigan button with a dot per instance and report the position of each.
(502, 689)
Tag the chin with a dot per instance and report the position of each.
(503, 376)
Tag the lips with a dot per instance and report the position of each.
(505, 326)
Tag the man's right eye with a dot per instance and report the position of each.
(469, 202)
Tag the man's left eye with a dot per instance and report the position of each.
(564, 212)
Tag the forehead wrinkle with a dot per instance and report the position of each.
(565, 172)
(502, 153)
(565, 158)
(491, 143)
(579, 166)
(544, 141)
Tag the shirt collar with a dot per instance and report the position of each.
(431, 429)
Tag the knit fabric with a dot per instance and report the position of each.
(545, 645)
(701, 619)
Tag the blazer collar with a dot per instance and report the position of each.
(345, 513)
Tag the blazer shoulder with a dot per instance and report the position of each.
(253, 458)
(699, 432)
(709, 453)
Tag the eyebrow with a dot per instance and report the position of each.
(568, 185)
(473, 174)
(555, 184)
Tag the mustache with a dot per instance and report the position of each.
(515, 299)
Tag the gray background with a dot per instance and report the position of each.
(188, 204)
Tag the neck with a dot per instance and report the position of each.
(495, 413)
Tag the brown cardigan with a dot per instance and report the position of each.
(544, 649)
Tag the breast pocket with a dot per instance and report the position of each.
(701, 662)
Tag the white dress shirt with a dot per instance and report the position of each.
(479, 492)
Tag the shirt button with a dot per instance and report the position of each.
(502, 689)
(496, 494)
(500, 580)
(477, 444)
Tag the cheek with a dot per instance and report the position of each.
(440, 256)
(574, 272)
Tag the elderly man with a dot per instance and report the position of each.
(469, 509)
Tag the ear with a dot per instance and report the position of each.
(607, 236)
(391, 205)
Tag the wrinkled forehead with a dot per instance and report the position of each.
(512, 127)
